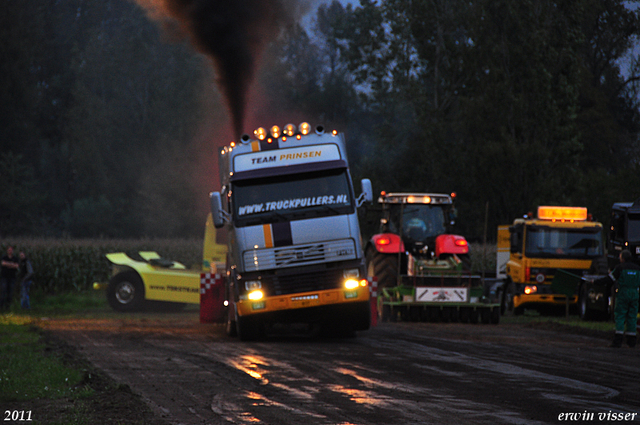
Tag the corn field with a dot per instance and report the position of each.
(65, 265)
(483, 257)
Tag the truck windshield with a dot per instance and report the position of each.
(419, 221)
(549, 242)
(292, 197)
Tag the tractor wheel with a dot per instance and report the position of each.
(466, 262)
(126, 292)
(382, 266)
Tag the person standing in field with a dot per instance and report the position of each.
(25, 277)
(627, 276)
(8, 273)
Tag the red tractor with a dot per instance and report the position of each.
(423, 271)
(414, 226)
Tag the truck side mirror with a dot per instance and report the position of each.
(367, 192)
(217, 213)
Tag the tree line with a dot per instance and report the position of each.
(111, 125)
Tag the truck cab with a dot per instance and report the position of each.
(294, 251)
(533, 248)
(624, 232)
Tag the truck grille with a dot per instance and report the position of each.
(307, 282)
(299, 255)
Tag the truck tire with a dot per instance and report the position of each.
(584, 311)
(125, 292)
(382, 266)
(231, 328)
(248, 328)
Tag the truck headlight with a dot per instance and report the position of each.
(256, 295)
(530, 290)
(354, 283)
(351, 284)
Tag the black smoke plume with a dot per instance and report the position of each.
(232, 33)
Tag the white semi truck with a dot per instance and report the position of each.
(294, 246)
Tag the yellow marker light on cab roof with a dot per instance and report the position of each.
(289, 130)
(260, 133)
(426, 199)
(562, 213)
(334, 132)
(411, 199)
(275, 131)
(298, 136)
(305, 128)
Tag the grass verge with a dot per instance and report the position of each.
(46, 380)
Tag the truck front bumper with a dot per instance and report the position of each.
(303, 300)
(523, 300)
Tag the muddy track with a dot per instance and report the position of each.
(397, 373)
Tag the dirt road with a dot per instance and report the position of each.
(397, 373)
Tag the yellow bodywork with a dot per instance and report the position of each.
(166, 280)
(515, 265)
(175, 283)
(303, 300)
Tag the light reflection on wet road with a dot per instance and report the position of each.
(394, 374)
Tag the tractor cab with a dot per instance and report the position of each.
(418, 218)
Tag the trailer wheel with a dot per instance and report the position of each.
(382, 266)
(125, 292)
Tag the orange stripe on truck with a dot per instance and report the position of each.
(268, 236)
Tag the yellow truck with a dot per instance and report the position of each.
(134, 283)
(534, 248)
